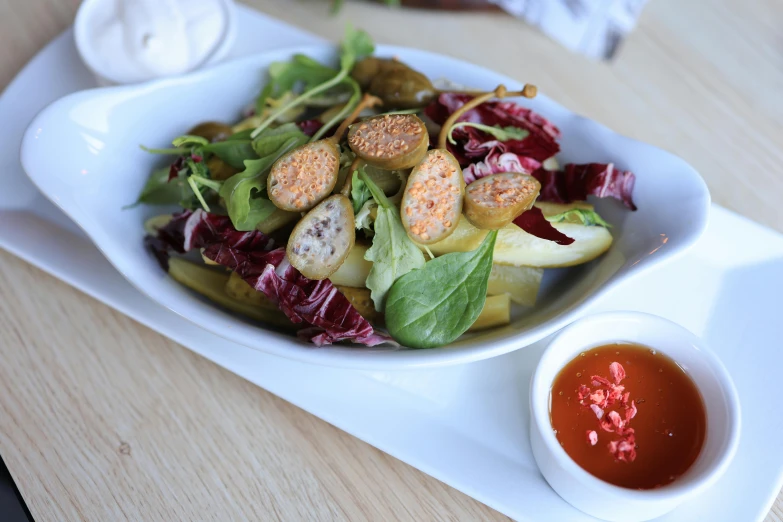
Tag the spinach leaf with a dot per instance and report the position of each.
(392, 253)
(588, 218)
(433, 306)
(243, 192)
(360, 193)
(500, 133)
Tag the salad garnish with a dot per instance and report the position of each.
(360, 197)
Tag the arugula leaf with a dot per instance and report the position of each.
(356, 44)
(233, 151)
(392, 253)
(197, 191)
(188, 140)
(158, 191)
(243, 191)
(433, 306)
(501, 133)
(272, 139)
(588, 218)
(284, 76)
(241, 135)
(360, 193)
(177, 151)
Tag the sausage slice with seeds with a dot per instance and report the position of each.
(390, 141)
(432, 202)
(320, 242)
(494, 201)
(305, 176)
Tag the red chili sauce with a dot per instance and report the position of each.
(629, 415)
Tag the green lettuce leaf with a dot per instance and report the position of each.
(588, 218)
(392, 253)
(500, 133)
(360, 193)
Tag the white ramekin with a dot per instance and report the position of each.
(601, 499)
(85, 18)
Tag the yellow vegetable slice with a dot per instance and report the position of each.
(278, 219)
(354, 270)
(211, 284)
(516, 247)
(521, 283)
(361, 300)
(496, 312)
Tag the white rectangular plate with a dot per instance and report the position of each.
(465, 425)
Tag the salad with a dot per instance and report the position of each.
(359, 203)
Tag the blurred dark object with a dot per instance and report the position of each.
(12, 506)
(453, 5)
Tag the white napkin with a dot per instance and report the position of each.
(591, 27)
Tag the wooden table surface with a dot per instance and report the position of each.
(103, 419)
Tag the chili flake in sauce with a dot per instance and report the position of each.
(628, 415)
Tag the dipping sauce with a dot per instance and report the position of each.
(628, 415)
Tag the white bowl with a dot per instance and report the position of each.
(83, 153)
(601, 499)
(87, 17)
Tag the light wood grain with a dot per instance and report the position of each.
(103, 419)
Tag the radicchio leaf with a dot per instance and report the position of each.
(496, 163)
(474, 144)
(533, 222)
(310, 127)
(317, 303)
(576, 182)
(176, 166)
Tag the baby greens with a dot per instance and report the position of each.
(244, 192)
(158, 191)
(433, 306)
(284, 76)
(318, 79)
(392, 253)
(588, 218)
(234, 150)
(360, 193)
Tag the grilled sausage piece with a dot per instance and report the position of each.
(432, 202)
(494, 201)
(321, 241)
(305, 176)
(390, 141)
